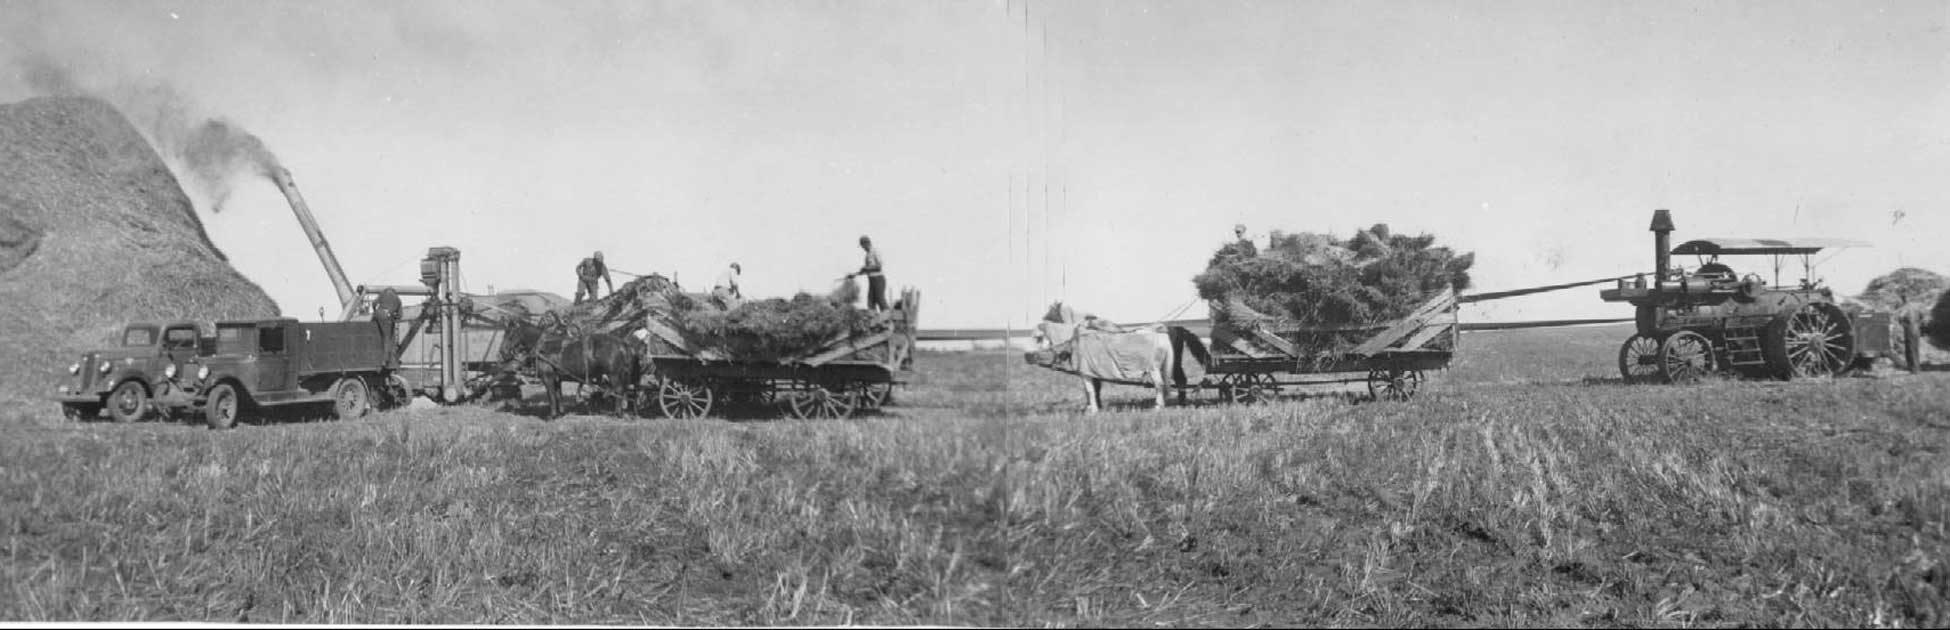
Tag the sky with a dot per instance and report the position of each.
(1005, 154)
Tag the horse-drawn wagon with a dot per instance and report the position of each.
(848, 372)
(1251, 357)
(684, 374)
(1253, 360)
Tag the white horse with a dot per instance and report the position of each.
(1099, 339)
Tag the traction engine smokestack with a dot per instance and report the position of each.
(1662, 244)
(282, 177)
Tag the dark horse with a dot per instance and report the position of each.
(610, 362)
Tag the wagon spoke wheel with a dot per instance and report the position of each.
(1814, 341)
(1638, 359)
(1250, 388)
(1685, 357)
(823, 403)
(874, 395)
(1394, 384)
(683, 400)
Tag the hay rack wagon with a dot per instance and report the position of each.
(1692, 322)
(1252, 361)
(844, 375)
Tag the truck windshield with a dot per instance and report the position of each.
(139, 336)
(180, 338)
(231, 340)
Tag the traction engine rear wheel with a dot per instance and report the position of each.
(1685, 357)
(1638, 359)
(1813, 341)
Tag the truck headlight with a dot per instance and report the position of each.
(170, 371)
(203, 373)
(75, 369)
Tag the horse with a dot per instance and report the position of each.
(1157, 349)
(610, 362)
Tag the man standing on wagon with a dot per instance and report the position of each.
(587, 272)
(726, 288)
(876, 283)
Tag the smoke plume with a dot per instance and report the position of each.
(208, 153)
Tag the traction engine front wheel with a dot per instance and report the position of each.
(1638, 359)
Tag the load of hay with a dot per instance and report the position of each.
(748, 330)
(1313, 281)
(95, 232)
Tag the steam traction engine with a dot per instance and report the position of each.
(1712, 318)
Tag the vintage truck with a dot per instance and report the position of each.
(147, 373)
(256, 364)
(244, 367)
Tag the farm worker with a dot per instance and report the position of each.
(726, 288)
(587, 272)
(1242, 245)
(385, 312)
(876, 284)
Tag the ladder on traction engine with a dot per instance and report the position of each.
(1743, 346)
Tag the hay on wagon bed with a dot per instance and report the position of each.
(756, 330)
(1312, 281)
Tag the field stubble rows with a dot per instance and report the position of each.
(1516, 491)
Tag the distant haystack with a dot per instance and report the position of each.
(96, 232)
(1907, 290)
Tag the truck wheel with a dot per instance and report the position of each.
(80, 411)
(129, 402)
(223, 407)
(350, 398)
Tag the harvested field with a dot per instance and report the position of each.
(1511, 494)
(94, 233)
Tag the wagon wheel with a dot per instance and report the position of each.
(1249, 388)
(1813, 341)
(350, 398)
(818, 401)
(874, 395)
(1685, 357)
(1638, 359)
(683, 400)
(1394, 384)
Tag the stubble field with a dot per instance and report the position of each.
(1525, 487)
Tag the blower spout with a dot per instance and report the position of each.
(282, 177)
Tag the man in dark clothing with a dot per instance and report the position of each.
(587, 273)
(385, 312)
(876, 284)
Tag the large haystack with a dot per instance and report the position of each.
(1908, 290)
(95, 232)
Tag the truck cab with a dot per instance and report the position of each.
(150, 368)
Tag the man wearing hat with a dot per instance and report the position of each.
(1243, 245)
(587, 272)
(876, 284)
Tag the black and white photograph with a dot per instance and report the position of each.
(975, 313)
